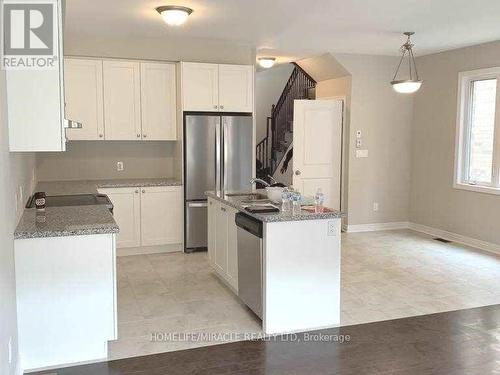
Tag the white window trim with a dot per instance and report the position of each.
(464, 80)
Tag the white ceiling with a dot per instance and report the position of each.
(299, 28)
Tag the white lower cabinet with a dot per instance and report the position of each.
(213, 206)
(220, 258)
(147, 216)
(127, 214)
(222, 241)
(232, 248)
(161, 215)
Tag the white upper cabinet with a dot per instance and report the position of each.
(84, 98)
(122, 100)
(158, 101)
(217, 88)
(200, 87)
(236, 88)
(35, 100)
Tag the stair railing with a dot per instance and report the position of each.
(298, 86)
(263, 149)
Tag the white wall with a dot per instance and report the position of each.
(384, 118)
(269, 85)
(434, 201)
(15, 170)
(88, 160)
(170, 49)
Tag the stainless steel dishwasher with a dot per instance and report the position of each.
(250, 261)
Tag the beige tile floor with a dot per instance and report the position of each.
(385, 275)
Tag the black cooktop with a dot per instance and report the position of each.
(73, 200)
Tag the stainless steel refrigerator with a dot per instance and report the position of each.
(217, 157)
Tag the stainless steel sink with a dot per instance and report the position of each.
(249, 196)
(256, 202)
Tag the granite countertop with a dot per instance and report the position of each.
(236, 202)
(91, 186)
(65, 221)
(77, 220)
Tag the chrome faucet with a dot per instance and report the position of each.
(254, 180)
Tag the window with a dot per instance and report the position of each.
(478, 131)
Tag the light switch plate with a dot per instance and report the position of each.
(119, 166)
(361, 153)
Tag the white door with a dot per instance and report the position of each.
(161, 215)
(122, 100)
(84, 98)
(317, 148)
(127, 214)
(200, 87)
(158, 101)
(236, 88)
(220, 256)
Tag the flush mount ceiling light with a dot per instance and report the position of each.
(266, 62)
(174, 15)
(413, 83)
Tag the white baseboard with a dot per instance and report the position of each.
(356, 228)
(455, 237)
(124, 251)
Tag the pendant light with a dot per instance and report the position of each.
(411, 85)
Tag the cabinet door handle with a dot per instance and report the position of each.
(215, 107)
(221, 107)
(138, 136)
(144, 135)
(143, 191)
(297, 173)
(101, 135)
(137, 191)
(223, 209)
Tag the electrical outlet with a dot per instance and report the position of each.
(119, 166)
(359, 143)
(332, 228)
(375, 206)
(10, 350)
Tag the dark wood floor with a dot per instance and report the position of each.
(458, 342)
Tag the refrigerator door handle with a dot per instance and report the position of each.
(218, 156)
(198, 204)
(223, 155)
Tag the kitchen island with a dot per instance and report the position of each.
(65, 259)
(300, 262)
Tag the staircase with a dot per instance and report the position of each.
(279, 128)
